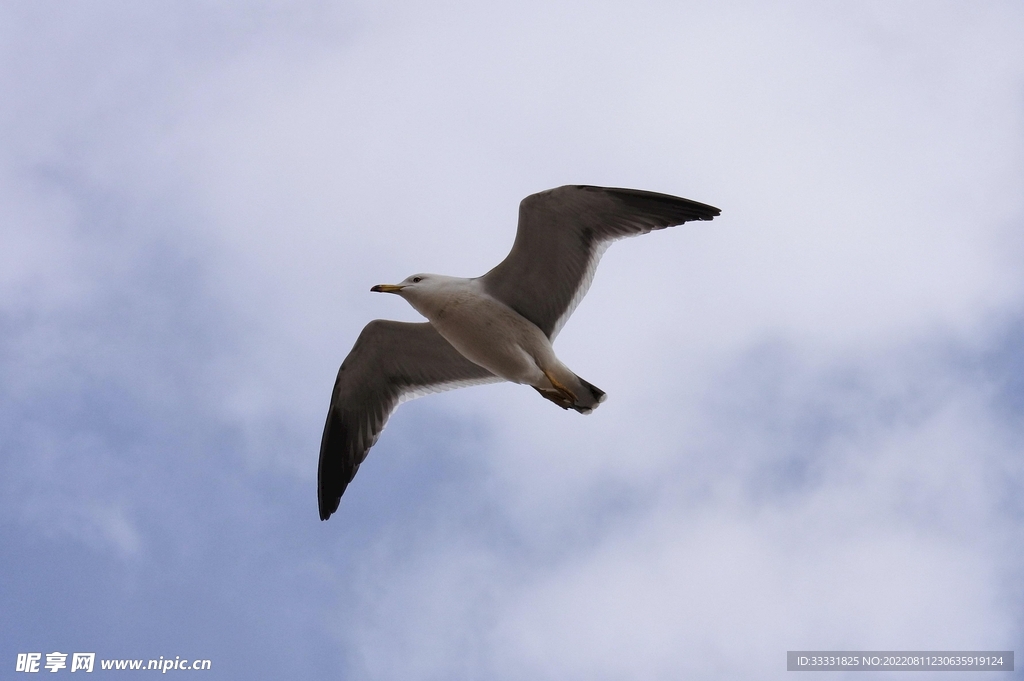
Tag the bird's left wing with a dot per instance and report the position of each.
(390, 362)
(562, 234)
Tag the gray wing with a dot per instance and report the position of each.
(391, 362)
(562, 234)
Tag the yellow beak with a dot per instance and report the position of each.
(387, 288)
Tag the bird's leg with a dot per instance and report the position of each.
(567, 394)
(555, 396)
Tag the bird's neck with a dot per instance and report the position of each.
(442, 299)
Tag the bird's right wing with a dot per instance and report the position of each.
(390, 363)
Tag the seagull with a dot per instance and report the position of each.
(497, 327)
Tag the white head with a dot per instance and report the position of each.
(425, 292)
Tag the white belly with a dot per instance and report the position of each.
(492, 335)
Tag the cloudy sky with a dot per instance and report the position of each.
(813, 437)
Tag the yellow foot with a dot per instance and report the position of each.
(566, 394)
(555, 397)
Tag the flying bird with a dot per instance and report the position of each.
(492, 328)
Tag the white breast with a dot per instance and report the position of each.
(489, 333)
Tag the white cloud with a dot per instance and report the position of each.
(887, 531)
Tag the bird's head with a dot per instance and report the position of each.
(414, 282)
(423, 291)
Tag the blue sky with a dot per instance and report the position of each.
(813, 434)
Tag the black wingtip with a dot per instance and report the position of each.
(670, 207)
(331, 480)
(326, 503)
(709, 212)
(329, 500)
(674, 209)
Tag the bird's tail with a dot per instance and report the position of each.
(588, 398)
(569, 391)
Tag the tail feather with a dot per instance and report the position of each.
(588, 401)
(569, 391)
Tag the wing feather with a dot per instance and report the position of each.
(391, 362)
(562, 235)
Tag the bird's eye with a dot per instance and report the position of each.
(417, 280)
